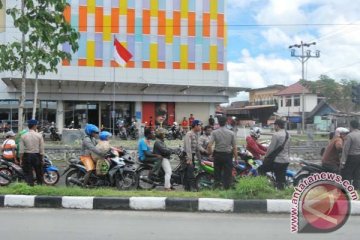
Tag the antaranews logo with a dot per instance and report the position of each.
(321, 203)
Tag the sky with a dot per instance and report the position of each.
(261, 31)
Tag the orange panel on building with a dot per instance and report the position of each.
(177, 23)
(67, 13)
(99, 19)
(176, 65)
(83, 18)
(220, 25)
(98, 63)
(146, 21)
(161, 65)
(206, 66)
(161, 22)
(65, 62)
(206, 22)
(130, 64)
(114, 20)
(191, 66)
(191, 24)
(82, 62)
(131, 21)
(146, 64)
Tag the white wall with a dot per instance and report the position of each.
(310, 104)
(200, 111)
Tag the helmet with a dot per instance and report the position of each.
(90, 129)
(196, 122)
(341, 130)
(255, 132)
(175, 123)
(104, 135)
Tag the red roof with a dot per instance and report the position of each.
(295, 88)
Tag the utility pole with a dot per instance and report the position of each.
(303, 59)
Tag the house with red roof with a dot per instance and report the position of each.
(291, 104)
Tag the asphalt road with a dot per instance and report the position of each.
(81, 224)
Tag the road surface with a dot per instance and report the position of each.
(95, 224)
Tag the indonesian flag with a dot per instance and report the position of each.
(121, 54)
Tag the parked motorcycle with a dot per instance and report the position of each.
(54, 134)
(132, 131)
(11, 172)
(177, 177)
(121, 172)
(307, 169)
(123, 134)
(174, 132)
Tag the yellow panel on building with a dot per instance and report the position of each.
(122, 7)
(153, 55)
(154, 6)
(90, 53)
(91, 6)
(107, 28)
(184, 57)
(184, 8)
(213, 9)
(169, 30)
(213, 57)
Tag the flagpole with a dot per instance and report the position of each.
(113, 113)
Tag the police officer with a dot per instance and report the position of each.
(351, 155)
(32, 153)
(224, 151)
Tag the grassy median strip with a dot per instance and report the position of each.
(246, 188)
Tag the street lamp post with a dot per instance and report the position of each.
(303, 59)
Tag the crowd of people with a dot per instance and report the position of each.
(341, 156)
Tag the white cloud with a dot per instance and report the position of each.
(268, 61)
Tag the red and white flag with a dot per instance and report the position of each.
(121, 54)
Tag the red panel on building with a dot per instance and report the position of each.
(148, 110)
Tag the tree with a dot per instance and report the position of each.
(337, 93)
(44, 29)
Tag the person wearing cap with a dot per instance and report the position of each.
(32, 154)
(280, 138)
(224, 151)
(331, 157)
(191, 148)
(351, 155)
(9, 147)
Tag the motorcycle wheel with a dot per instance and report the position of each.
(5, 181)
(299, 178)
(143, 180)
(76, 174)
(126, 182)
(51, 177)
(204, 181)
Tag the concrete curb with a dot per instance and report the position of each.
(155, 203)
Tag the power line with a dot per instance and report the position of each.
(336, 69)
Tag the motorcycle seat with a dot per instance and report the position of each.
(208, 163)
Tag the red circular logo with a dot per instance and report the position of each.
(326, 206)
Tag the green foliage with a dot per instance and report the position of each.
(45, 29)
(247, 188)
(337, 93)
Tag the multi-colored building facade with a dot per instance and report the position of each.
(178, 65)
